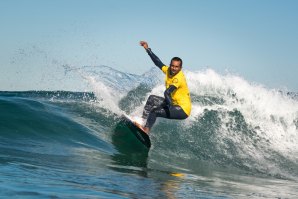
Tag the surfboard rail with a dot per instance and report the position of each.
(139, 133)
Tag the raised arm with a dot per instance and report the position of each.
(154, 58)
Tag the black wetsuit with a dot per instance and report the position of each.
(157, 106)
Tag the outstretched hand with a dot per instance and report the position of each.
(144, 44)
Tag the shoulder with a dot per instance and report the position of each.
(164, 69)
(179, 78)
(180, 75)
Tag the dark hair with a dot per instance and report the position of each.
(177, 59)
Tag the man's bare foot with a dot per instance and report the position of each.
(145, 129)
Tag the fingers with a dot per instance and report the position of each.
(142, 43)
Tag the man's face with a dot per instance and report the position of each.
(175, 67)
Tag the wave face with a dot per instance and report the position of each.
(235, 127)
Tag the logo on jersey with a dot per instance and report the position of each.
(175, 80)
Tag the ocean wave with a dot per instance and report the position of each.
(233, 123)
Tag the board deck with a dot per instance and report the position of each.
(139, 133)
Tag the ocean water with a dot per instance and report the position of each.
(241, 140)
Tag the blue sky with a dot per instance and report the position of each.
(256, 40)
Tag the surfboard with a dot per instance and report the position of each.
(139, 133)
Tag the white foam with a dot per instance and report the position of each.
(271, 112)
(106, 97)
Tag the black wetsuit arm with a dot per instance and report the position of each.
(168, 93)
(154, 58)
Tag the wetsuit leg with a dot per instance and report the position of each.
(152, 102)
(174, 112)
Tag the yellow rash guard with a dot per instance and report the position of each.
(181, 95)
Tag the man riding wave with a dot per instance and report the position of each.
(176, 103)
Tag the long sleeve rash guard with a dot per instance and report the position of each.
(159, 64)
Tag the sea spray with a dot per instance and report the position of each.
(111, 86)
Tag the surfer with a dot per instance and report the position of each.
(176, 103)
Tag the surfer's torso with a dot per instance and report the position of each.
(181, 95)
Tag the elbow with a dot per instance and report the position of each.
(167, 97)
